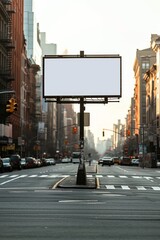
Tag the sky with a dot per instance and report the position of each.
(102, 27)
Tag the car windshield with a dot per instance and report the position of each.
(6, 160)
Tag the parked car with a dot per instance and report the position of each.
(1, 165)
(49, 161)
(16, 161)
(23, 163)
(31, 162)
(7, 166)
(44, 162)
(135, 162)
(107, 161)
(39, 162)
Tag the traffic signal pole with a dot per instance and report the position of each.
(81, 174)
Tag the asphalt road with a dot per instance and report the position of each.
(31, 209)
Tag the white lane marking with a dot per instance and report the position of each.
(89, 175)
(100, 176)
(156, 188)
(3, 176)
(32, 176)
(10, 180)
(53, 176)
(65, 176)
(124, 187)
(75, 201)
(141, 188)
(136, 176)
(13, 176)
(58, 175)
(22, 176)
(43, 176)
(110, 176)
(110, 186)
(148, 178)
(123, 176)
(124, 170)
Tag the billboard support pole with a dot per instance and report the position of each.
(81, 174)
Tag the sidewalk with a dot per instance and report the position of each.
(70, 182)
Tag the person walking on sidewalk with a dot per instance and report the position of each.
(89, 159)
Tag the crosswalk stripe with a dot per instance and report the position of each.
(3, 176)
(156, 188)
(110, 186)
(141, 188)
(125, 187)
(136, 176)
(53, 176)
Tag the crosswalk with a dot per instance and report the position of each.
(49, 175)
(125, 187)
(34, 176)
(9, 177)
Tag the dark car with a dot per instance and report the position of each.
(1, 165)
(16, 162)
(100, 161)
(7, 166)
(125, 161)
(31, 162)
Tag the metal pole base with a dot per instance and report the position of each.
(81, 175)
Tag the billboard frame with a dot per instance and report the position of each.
(87, 99)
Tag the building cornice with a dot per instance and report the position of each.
(156, 44)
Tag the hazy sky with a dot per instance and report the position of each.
(102, 27)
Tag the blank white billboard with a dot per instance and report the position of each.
(81, 76)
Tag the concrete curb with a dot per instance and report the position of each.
(70, 182)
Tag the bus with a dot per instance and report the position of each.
(76, 157)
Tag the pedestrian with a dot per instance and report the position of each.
(89, 159)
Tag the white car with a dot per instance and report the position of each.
(107, 161)
(66, 160)
(135, 162)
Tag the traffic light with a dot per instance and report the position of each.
(103, 133)
(128, 133)
(74, 130)
(11, 105)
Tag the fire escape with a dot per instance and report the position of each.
(6, 43)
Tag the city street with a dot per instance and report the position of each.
(125, 205)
